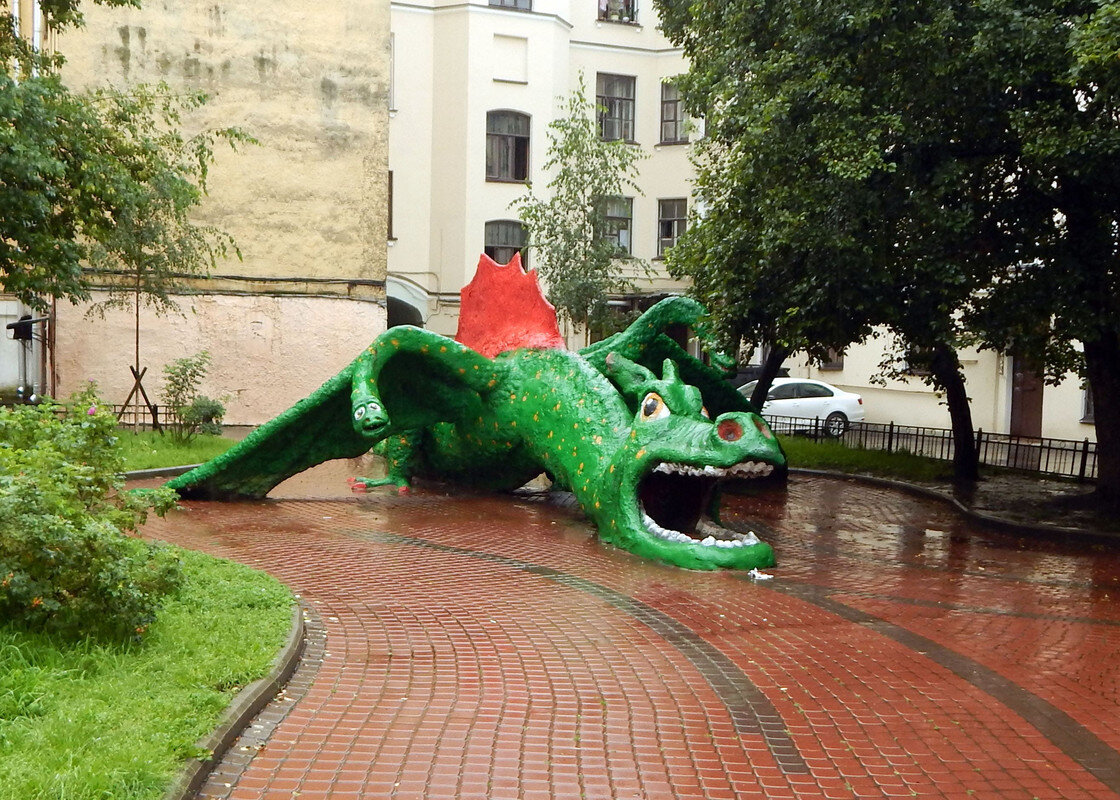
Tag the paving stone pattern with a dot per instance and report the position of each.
(489, 647)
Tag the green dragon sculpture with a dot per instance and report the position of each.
(642, 452)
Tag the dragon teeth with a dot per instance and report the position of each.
(747, 469)
(708, 541)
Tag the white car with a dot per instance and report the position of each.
(809, 399)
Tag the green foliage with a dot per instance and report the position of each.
(580, 264)
(66, 564)
(196, 413)
(947, 169)
(89, 720)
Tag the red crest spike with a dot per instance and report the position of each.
(503, 309)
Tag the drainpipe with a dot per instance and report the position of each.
(36, 32)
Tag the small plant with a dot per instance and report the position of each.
(195, 413)
(66, 564)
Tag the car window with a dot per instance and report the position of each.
(813, 390)
(783, 392)
(747, 389)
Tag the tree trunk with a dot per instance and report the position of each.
(946, 369)
(1102, 363)
(770, 368)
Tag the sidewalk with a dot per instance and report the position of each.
(490, 647)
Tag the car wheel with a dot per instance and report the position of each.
(835, 424)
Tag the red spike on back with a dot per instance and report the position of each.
(502, 309)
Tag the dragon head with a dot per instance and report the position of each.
(658, 497)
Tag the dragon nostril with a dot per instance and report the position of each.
(729, 430)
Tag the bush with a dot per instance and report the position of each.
(66, 564)
(196, 413)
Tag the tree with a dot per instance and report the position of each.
(102, 179)
(569, 235)
(868, 153)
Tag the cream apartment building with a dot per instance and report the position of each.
(475, 85)
(307, 204)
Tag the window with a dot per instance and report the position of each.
(524, 5)
(618, 212)
(785, 391)
(615, 96)
(672, 217)
(672, 115)
(504, 237)
(1087, 405)
(812, 390)
(618, 10)
(507, 146)
(835, 361)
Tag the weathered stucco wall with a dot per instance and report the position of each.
(309, 82)
(307, 204)
(266, 352)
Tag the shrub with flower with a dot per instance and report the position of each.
(66, 561)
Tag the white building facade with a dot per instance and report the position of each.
(474, 87)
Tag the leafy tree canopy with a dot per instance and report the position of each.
(955, 162)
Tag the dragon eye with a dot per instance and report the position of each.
(359, 412)
(704, 412)
(653, 407)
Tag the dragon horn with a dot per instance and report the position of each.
(628, 376)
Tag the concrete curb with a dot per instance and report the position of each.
(158, 472)
(988, 520)
(245, 706)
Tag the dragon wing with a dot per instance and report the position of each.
(412, 377)
(648, 341)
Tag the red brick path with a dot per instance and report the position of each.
(487, 647)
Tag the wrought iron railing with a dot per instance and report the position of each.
(1063, 457)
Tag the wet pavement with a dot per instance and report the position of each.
(492, 647)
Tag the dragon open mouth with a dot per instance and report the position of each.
(674, 497)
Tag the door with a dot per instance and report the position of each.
(1026, 415)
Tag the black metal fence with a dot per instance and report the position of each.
(1063, 457)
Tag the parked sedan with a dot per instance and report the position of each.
(809, 399)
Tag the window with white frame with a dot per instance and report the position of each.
(672, 218)
(618, 214)
(672, 115)
(503, 238)
(524, 5)
(615, 96)
(507, 146)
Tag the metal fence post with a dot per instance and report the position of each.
(1084, 461)
(890, 437)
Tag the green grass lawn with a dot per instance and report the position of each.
(118, 721)
(148, 450)
(830, 454)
